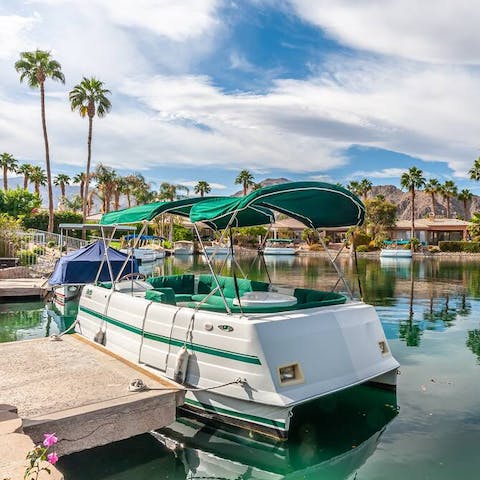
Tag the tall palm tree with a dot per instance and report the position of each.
(105, 177)
(35, 67)
(170, 191)
(25, 169)
(449, 190)
(89, 98)
(202, 187)
(61, 180)
(9, 164)
(474, 172)
(365, 186)
(80, 179)
(411, 180)
(38, 177)
(432, 187)
(465, 196)
(246, 179)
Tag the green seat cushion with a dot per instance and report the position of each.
(183, 297)
(179, 283)
(161, 295)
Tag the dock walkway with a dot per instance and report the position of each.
(79, 391)
(22, 287)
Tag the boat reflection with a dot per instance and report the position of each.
(332, 436)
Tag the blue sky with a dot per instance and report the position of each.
(333, 90)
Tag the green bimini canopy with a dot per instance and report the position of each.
(315, 204)
(248, 217)
(149, 211)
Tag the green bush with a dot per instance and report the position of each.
(17, 202)
(362, 248)
(361, 238)
(27, 257)
(51, 244)
(316, 247)
(39, 250)
(39, 221)
(459, 246)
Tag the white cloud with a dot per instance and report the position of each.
(13, 33)
(444, 31)
(384, 173)
(192, 184)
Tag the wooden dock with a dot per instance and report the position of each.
(79, 391)
(23, 287)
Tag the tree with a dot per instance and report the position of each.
(381, 216)
(9, 164)
(449, 190)
(354, 187)
(245, 178)
(89, 98)
(170, 191)
(25, 169)
(474, 172)
(432, 187)
(17, 202)
(38, 177)
(202, 187)
(106, 178)
(365, 186)
(80, 179)
(465, 196)
(411, 180)
(61, 180)
(35, 67)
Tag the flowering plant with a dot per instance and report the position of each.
(41, 453)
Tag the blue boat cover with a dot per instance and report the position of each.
(81, 266)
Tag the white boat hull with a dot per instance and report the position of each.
(279, 251)
(335, 347)
(395, 253)
(183, 248)
(210, 250)
(143, 254)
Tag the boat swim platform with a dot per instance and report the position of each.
(78, 390)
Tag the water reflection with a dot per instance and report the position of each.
(332, 436)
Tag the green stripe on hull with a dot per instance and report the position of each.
(233, 413)
(174, 341)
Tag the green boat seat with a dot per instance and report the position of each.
(161, 295)
(179, 283)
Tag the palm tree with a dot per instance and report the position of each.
(80, 178)
(411, 180)
(25, 169)
(61, 180)
(38, 177)
(170, 191)
(105, 177)
(475, 170)
(365, 186)
(89, 97)
(202, 187)
(35, 67)
(245, 178)
(465, 196)
(432, 187)
(354, 187)
(9, 164)
(449, 190)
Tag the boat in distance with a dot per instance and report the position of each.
(247, 352)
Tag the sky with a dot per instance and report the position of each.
(330, 90)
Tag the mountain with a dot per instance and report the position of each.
(423, 203)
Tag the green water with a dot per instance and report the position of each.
(430, 310)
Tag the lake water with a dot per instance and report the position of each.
(430, 310)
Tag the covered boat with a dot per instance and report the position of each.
(247, 352)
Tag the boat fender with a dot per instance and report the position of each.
(100, 337)
(181, 365)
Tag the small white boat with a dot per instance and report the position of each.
(217, 248)
(183, 247)
(279, 246)
(159, 253)
(395, 253)
(142, 254)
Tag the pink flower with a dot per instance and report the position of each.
(49, 439)
(52, 458)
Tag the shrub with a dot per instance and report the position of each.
(372, 245)
(361, 239)
(51, 244)
(17, 202)
(458, 246)
(39, 250)
(433, 249)
(362, 248)
(27, 257)
(39, 221)
(315, 247)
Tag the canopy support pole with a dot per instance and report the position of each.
(335, 266)
(130, 251)
(260, 255)
(210, 266)
(105, 255)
